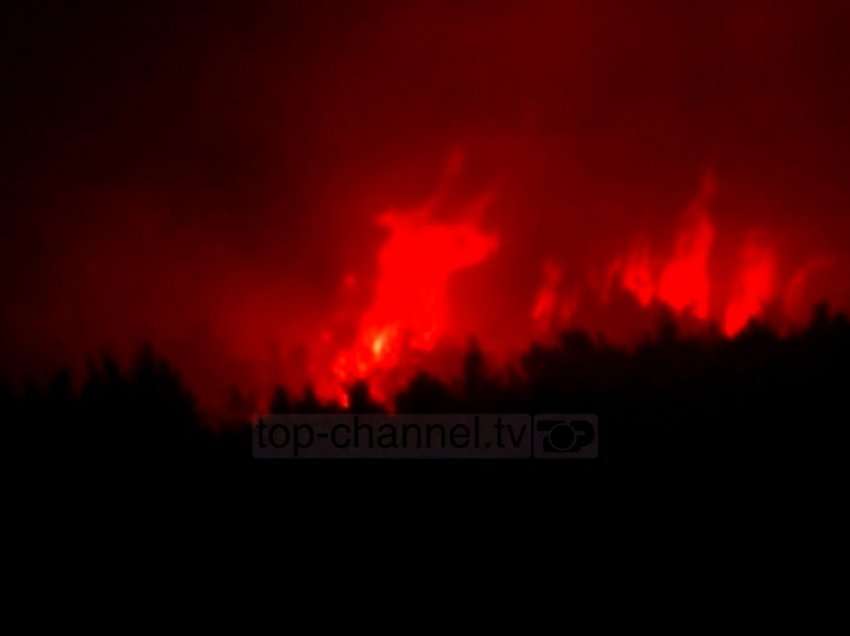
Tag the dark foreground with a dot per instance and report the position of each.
(758, 404)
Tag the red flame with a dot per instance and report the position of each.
(684, 283)
(754, 288)
(637, 274)
(685, 286)
(409, 311)
(546, 300)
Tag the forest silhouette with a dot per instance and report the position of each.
(672, 400)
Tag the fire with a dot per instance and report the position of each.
(754, 289)
(546, 300)
(684, 283)
(637, 275)
(794, 295)
(409, 312)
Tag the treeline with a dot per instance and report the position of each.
(672, 399)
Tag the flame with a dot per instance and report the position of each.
(794, 301)
(637, 274)
(754, 287)
(684, 283)
(546, 300)
(409, 311)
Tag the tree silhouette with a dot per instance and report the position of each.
(672, 399)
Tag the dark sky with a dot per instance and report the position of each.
(203, 173)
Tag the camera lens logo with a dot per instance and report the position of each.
(566, 436)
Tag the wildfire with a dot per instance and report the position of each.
(755, 288)
(409, 313)
(685, 283)
(682, 282)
